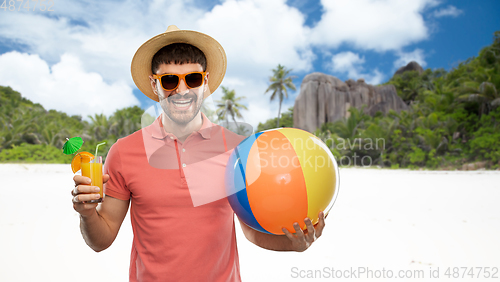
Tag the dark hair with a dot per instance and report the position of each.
(178, 53)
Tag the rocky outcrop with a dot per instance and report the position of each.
(411, 66)
(324, 98)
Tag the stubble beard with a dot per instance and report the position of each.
(181, 118)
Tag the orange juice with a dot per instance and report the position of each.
(93, 170)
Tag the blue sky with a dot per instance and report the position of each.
(76, 58)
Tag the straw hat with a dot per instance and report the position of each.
(214, 53)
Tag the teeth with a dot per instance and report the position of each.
(183, 102)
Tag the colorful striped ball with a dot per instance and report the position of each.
(281, 176)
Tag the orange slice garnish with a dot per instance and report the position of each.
(76, 163)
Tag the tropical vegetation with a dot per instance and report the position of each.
(280, 83)
(286, 120)
(453, 119)
(229, 105)
(30, 133)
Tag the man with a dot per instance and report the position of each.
(174, 240)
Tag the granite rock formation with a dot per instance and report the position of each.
(324, 98)
(411, 66)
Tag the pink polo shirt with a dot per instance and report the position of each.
(178, 235)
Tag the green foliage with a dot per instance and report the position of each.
(418, 156)
(486, 143)
(30, 153)
(280, 83)
(22, 121)
(29, 133)
(286, 120)
(453, 118)
(408, 85)
(229, 105)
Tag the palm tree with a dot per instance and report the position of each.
(349, 128)
(99, 127)
(125, 121)
(375, 131)
(484, 94)
(280, 82)
(229, 106)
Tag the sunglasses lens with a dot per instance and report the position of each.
(194, 80)
(169, 82)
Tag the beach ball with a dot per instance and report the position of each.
(277, 177)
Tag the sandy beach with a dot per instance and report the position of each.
(419, 224)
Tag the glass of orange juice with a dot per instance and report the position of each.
(93, 170)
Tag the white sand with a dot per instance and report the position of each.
(382, 220)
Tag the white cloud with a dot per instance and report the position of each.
(376, 78)
(257, 35)
(102, 36)
(372, 25)
(347, 62)
(65, 86)
(260, 112)
(107, 37)
(352, 65)
(260, 108)
(233, 81)
(404, 58)
(450, 11)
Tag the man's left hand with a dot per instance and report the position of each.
(302, 240)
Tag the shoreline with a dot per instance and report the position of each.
(65, 168)
(384, 218)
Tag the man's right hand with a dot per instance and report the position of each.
(83, 193)
(99, 225)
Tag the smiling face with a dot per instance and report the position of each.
(182, 104)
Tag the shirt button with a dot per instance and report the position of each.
(183, 150)
(183, 165)
(172, 137)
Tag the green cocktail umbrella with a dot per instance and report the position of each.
(72, 145)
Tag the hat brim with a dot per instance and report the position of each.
(214, 53)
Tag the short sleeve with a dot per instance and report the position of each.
(232, 138)
(116, 186)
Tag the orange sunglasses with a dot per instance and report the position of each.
(170, 81)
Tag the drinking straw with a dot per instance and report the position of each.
(97, 147)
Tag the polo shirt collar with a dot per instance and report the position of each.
(158, 132)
